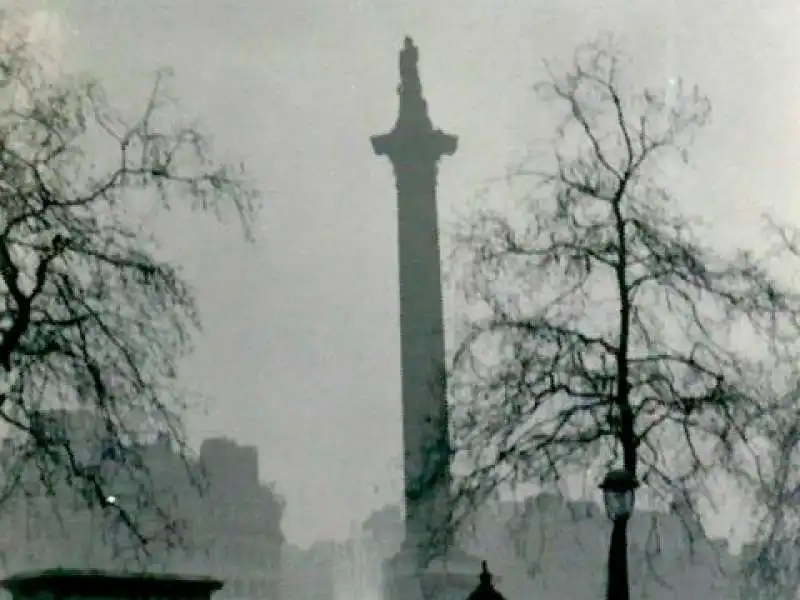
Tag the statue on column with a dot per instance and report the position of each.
(409, 73)
(409, 58)
(413, 109)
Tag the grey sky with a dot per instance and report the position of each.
(300, 349)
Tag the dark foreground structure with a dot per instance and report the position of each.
(78, 584)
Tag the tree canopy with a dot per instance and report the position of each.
(600, 329)
(91, 316)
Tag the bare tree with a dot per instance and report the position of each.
(600, 329)
(91, 317)
(770, 559)
(770, 564)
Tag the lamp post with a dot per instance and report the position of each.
(619, 489)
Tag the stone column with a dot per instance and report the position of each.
(415, 147)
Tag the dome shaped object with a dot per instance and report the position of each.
(485, 589)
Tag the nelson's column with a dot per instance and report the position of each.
(414, 147)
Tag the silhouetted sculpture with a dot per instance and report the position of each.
(409, 59)
(485, 589)
(414, 146)
(412, 104)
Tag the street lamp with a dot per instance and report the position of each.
(619, 490)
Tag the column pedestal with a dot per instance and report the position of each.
(452, 577)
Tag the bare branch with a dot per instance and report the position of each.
(606, 328)
(91, 320)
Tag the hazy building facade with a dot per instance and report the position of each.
(230, 522)
(310, 573)
(238, 529)
(547, 547)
